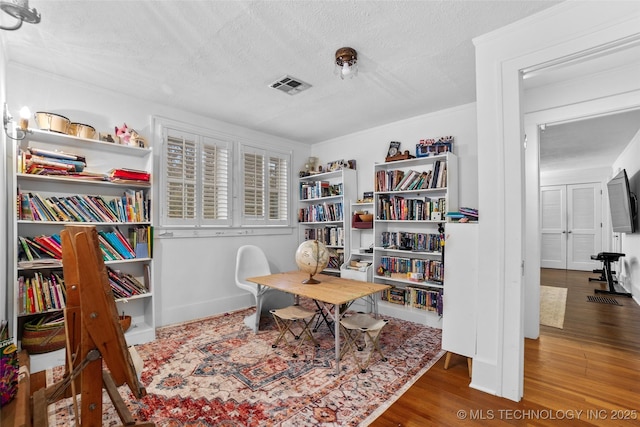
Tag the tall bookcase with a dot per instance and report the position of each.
(323, 212)
(408, 229)
(68, 198)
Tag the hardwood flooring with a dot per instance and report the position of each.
(587, 374)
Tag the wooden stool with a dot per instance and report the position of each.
(447, 359)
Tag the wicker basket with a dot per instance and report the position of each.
(39, 337)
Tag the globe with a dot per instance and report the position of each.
(312, 257)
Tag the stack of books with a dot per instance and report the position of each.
(126, 175)
(464, 215)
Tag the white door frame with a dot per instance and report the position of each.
(569, 28)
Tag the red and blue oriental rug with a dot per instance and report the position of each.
(215, 372)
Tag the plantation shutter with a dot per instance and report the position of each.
(181, 169)
(253, 180)
(278, 189)
(265, 197)
(197, 180)
(215, 182)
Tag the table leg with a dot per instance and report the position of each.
(336, 323)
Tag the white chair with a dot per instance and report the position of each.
(251, 262)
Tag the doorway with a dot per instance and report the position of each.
(570, 225)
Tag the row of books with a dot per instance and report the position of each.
(317, 189)
(45, 292)
(426, 242)
(336, 258)
(331, 236)
(44, 162)
(401, 208)
(399, 180)
(113, 243)
(321, 212)
(38, 161)
(132, 206)
(125, 285)
(415, 269)
(423, 299)
(41, 293)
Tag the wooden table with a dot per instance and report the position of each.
(331, 290)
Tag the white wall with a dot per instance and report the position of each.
(370, 146)
(193, 274)
(630, 243)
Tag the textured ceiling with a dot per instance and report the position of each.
(217, 58)
(586, 144)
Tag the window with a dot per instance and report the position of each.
(197, 185)
(265, 187)
(199, 167)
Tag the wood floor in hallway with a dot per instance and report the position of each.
(586, 374)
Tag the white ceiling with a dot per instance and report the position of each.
(217, 58)
(594, 142)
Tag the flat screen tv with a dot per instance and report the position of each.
(622, 203)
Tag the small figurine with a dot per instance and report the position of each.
(124, 134)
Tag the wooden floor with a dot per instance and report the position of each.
(586, 374)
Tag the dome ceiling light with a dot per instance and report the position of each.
(19, 9)
(346, 63)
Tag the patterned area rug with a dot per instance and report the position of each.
(216, 372)
(553, 303)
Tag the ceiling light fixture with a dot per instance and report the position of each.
(346, 62)
(19, 9)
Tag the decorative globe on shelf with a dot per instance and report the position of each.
(312, 257)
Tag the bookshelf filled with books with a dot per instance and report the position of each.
(411, 199)
(58, 180)
(323, 212)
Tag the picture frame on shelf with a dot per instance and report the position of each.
(394, 148)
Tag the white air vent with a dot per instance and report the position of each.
(290, 85)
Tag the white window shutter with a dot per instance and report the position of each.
(253, 184)
(265, 179)
(216, 190)
(278, 189)
(181, 170)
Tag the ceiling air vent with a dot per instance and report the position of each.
(290, 85)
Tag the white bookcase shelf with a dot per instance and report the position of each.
(100, 157)
(409, 223)
(323, 212)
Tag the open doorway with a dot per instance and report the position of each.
(576, 161)
(571, 147)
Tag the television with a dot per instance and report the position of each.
(622, 203)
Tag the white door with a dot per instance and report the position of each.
(571, 226)
(553, 247)
(584, 225)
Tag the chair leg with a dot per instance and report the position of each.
(258, 313)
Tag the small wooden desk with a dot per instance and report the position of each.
(331, 290)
